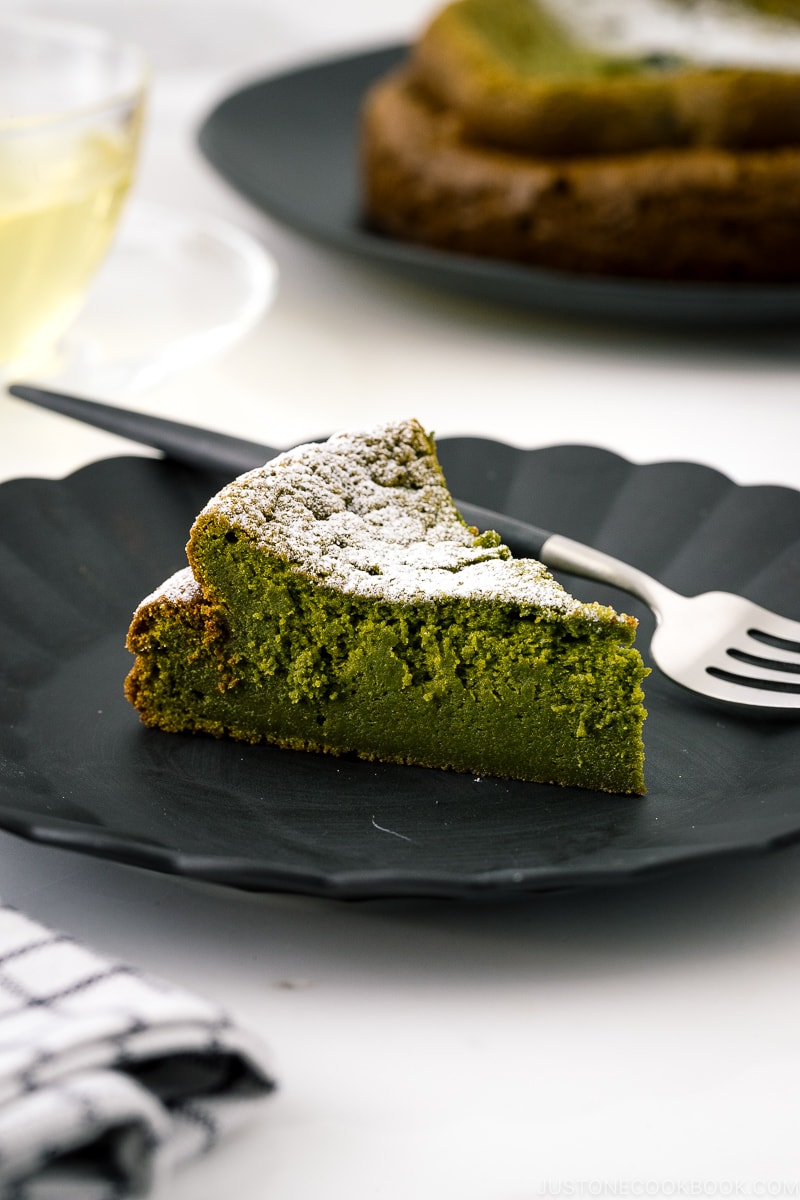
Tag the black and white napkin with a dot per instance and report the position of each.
(109, 1077)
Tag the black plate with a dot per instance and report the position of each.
(289, 143)
(78, 770)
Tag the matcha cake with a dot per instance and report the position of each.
(520, 78)
(336, 601)
(502, 135)
(696, 213)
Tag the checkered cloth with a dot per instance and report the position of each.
(108, 1077)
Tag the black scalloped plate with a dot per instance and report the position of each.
(290, 144)
(78, 770)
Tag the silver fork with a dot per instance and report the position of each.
(717, 645)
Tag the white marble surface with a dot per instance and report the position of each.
(638, 1041)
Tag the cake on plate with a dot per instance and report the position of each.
(502, 136)
(336, 601)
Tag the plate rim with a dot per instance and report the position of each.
(249, 874)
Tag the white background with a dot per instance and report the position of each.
(643, 1037)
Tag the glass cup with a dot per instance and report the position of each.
(71, 108)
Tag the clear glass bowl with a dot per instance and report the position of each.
(71, 110)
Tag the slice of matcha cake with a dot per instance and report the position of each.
(336, 601)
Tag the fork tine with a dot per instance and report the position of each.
(755, 648)
(730, 691)
(749, 670)
(773, 625)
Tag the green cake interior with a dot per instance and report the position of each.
(370, 619)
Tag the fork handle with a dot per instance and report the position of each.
(565, 554)
(183, 443)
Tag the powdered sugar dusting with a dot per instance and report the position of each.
(180, 588)
(370, 514)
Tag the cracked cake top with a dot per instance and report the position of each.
(370, 514)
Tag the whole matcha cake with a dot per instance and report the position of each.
(504, 135)
(336, 601)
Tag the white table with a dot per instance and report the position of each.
(612, 1042)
